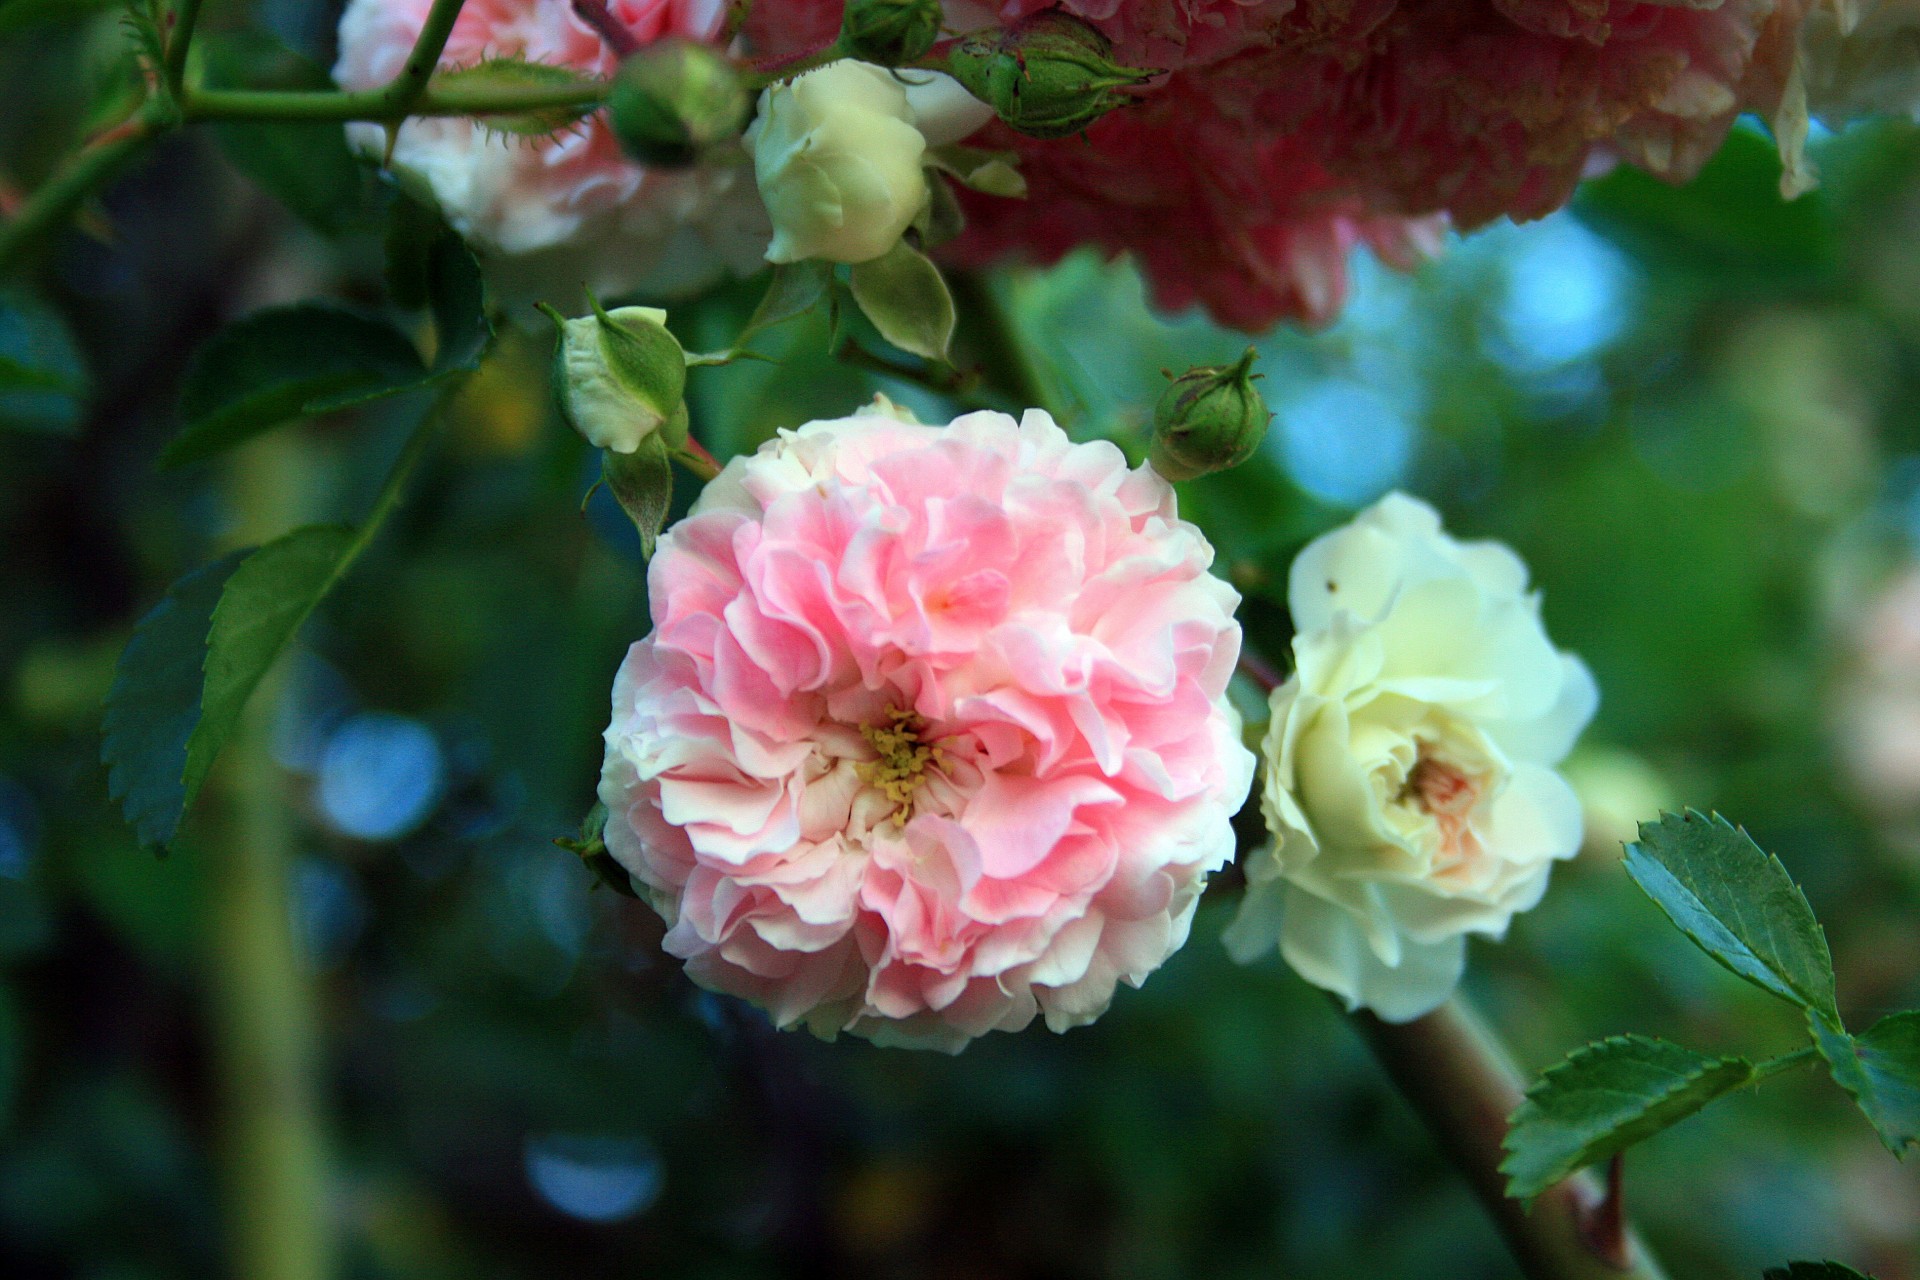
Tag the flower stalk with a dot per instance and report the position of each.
(1459, 1078)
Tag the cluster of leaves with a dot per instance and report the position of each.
(194, 661)
(1739, 905)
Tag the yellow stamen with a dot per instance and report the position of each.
(901, 769)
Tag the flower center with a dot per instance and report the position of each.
(902, 758)
(1447, 793)
(1439, 788)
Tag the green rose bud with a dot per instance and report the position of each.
(673, 99)
(1049, 76)
(1210, 419)
(889, 32)
(619, 376)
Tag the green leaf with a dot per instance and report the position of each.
(1880, 1068)
(262, 606)
(22, 15)
(795, 289)
(307, 166)
(42, 379)
(642, 482)
(494, 74)
(1738, 904)
(994, 173)
(1603, 1098)
(280, 365)
(154, 703)
(413, 230)
(1815, 1271)
(458, 301)
(904, 296)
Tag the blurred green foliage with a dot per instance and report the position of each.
(1692, 410)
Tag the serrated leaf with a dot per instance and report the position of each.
(903, 294)
(457, 298)
(284, 364)
(794, 289)
(1815, 1271)
(1603, 1098)
(1880, 1070)
(260, 609)
(642, 482)
(154, 703)
(494, 74)
(1738, 904)
(42, 379)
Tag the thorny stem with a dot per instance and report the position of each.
(778, 69)
(1460, 1080)
(410, 93)
(85, 171)
(373, 106)
(410, 85)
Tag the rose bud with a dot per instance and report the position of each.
(890, 32)
(673, 99)
(1048, 77)
(619, 376)
(838, 159)
(1210, 419)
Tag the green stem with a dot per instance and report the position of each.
(263, 1018)
(374, 105)
(1461, 1081)
(393, 490)
(186, 15)
(86, 170)
(1785, 1062)
(410, 85)
(991, 333)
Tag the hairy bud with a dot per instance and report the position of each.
(673, 99)
(1049, 76)
(1210, 419)
(889, 32)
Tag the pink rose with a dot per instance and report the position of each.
(1287, 132)
(548, 214)
(930, 734)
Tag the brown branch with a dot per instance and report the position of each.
(609, 28)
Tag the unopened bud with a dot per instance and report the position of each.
(889, 32)
(1210, 419)
(673, 99)
(1049, 76)
(620, 376)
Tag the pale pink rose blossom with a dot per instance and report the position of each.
(548, 214)
(930, 735)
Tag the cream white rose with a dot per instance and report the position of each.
(1853, 58)
(1409, 780)
(838, 158)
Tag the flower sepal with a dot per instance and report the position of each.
(1049, 76)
